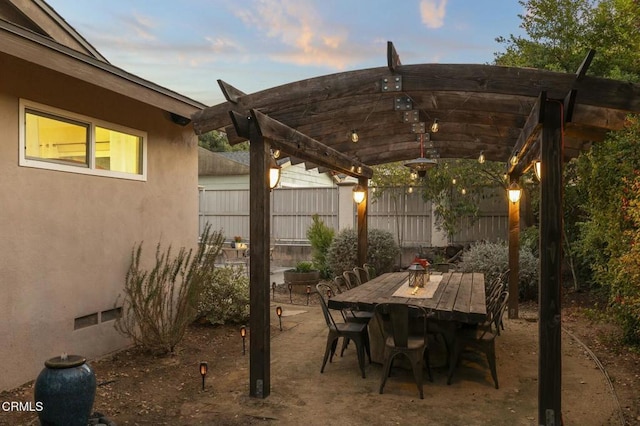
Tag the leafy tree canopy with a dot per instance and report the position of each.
(454, 186)
(217, 142)
(561, 32)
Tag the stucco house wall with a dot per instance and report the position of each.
(67, 237)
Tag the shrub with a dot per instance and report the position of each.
(493, 258)
(304, 267)
(160, 303)
(224, 298)
(382, 254)
(321, 237)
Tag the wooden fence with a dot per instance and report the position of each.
(406, 216)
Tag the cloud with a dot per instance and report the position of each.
(142, 26)
(299, 26)
(222, 45)
(433, 12)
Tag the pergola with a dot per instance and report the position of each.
(511, 115)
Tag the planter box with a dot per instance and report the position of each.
(300, 280)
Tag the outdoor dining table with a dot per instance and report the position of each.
(452, 298)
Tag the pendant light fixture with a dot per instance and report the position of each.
(421, 164)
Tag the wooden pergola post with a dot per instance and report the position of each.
(363, 240)
(514, 258)
(549, 303)
(259, 267)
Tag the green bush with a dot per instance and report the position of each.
(304, 266)
(343, 253)
(493, 258)
(321, 237)
(383, 251)
(224, 298)
(160, 303)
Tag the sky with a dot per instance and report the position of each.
(253, 45)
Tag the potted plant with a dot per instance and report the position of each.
(303, 275)
(237, 242)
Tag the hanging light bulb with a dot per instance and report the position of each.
(435, 126)
(276, 153)
(410, 190)
(454, 181)
(463, 191)
(514, 159)
(481, 158)
(354, 136)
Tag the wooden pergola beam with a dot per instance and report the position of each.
(393, 59)
(230, 93)
(528, 135)
(300, 145)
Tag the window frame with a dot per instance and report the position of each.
(92, 123)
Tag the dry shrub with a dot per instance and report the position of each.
(160, 303)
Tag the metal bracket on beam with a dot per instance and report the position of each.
(426, 140)
(392, 84)
(418, 127)
(402, 103)
(411, 116)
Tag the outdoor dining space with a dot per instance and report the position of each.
(550, 118)
(300, 390)
(411, 312)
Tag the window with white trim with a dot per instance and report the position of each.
(54, 139)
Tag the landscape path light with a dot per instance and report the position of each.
(279, 314)
(204, 367)
(243, 334)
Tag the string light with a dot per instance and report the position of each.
(435, 126)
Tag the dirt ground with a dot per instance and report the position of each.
(136, 389)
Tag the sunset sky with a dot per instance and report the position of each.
(253, 45)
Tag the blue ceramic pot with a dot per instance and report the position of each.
(66, 388)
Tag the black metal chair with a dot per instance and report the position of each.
(362, 273)
(348, 314)
(371, 270)
(351, 278)
(347, 330)
(481, 338)
(396, 320)
(339, 284)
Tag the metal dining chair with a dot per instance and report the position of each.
(482, 338)
(351, 278)
(371, 270)
(404, 331)
(347, 330)
(362, 273)
(339, 284)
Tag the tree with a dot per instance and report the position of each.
(599, 210)
(561, 32)
(217, 142)
(609, 178)
(392, 178)
(455, 188)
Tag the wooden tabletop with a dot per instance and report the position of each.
(459, 296)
